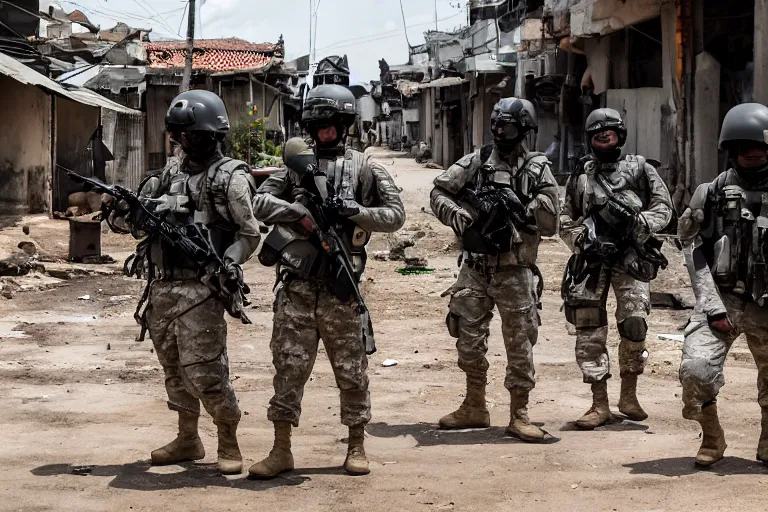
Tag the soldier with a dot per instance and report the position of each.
(613, 206)
(723, 232)
(500, 200)
(185, 322)
(307, 305)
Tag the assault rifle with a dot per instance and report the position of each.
(500, 215)
(193, 241)
(324, 205)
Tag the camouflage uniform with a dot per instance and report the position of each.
(506, 280)
(638, 183)
(705, 349)
(186, 323)
(304, 310)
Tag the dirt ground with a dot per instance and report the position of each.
(83, 403)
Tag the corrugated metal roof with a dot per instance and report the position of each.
(12, 68)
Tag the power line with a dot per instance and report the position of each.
(116, 15)
(377, 36)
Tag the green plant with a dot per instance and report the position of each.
(243, 137)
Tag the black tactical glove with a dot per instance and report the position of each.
(336, 211)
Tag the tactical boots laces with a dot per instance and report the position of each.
(186, 447)
(712, 438)
(600, 413)
(280, 459)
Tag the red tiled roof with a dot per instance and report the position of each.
(78, 15)
(212, 54)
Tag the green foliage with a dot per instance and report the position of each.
(243, 136)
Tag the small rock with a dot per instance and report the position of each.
(389, 363)
(84, 297)
(109, 347)
(25, 229)
(575, 486)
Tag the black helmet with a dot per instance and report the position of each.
(329, 105)
(511, 120)
(604, 119)
(747, 122)
(198, 111)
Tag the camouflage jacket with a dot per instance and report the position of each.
(632, 179)
(529, 176)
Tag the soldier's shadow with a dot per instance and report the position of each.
(136, 476)
(427, 434)
(682, 466)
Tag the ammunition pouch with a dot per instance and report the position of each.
(643, 263)
(303, 258)
(584, 292)
(452, 322)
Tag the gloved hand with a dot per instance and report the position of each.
(689, 224)
(721, 324)
(336, 210)
(233, 277)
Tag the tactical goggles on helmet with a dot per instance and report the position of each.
(506, 131)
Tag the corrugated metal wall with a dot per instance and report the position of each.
(124, 136)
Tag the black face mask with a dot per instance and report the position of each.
(507, 137)
(753, 176)
(608, 156)
(198, 146)
(330, 149)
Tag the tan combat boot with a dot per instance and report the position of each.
(712, 438)
(186, 447)
(762, 445)
(519, 424)
(356, 463)
(628, 404)
(600, 413)
(280, 459)
(472, 413)
(230, 459)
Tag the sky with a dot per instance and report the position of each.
(364, 30)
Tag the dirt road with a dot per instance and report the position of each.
(83, 405)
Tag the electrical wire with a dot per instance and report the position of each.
(113, 14)
(377, 36)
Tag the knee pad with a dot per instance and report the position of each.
(634, 329)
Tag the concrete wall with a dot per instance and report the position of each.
(706, 118)
(601, 17)
(25, 147)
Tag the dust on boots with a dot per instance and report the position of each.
(628, 403)
(600, 412)
(519, 424)
(230, 459)
(356, 463)
(712, 438)
(186, 447)
(472, 413)
(280, 459)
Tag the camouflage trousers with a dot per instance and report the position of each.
(704, 353)
(633, 301)
(473, 297)
(304, 313)
(190, 337)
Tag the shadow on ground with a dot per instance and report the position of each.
(427, 434)
(136, 476)
(681, 466)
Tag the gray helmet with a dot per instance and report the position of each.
(604, 119)
(329, 104)
(745, 122)
(197, 111)
(511, 120)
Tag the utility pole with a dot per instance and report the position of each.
(435, 15)
(187, 78)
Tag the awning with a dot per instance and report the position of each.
(12, 68)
